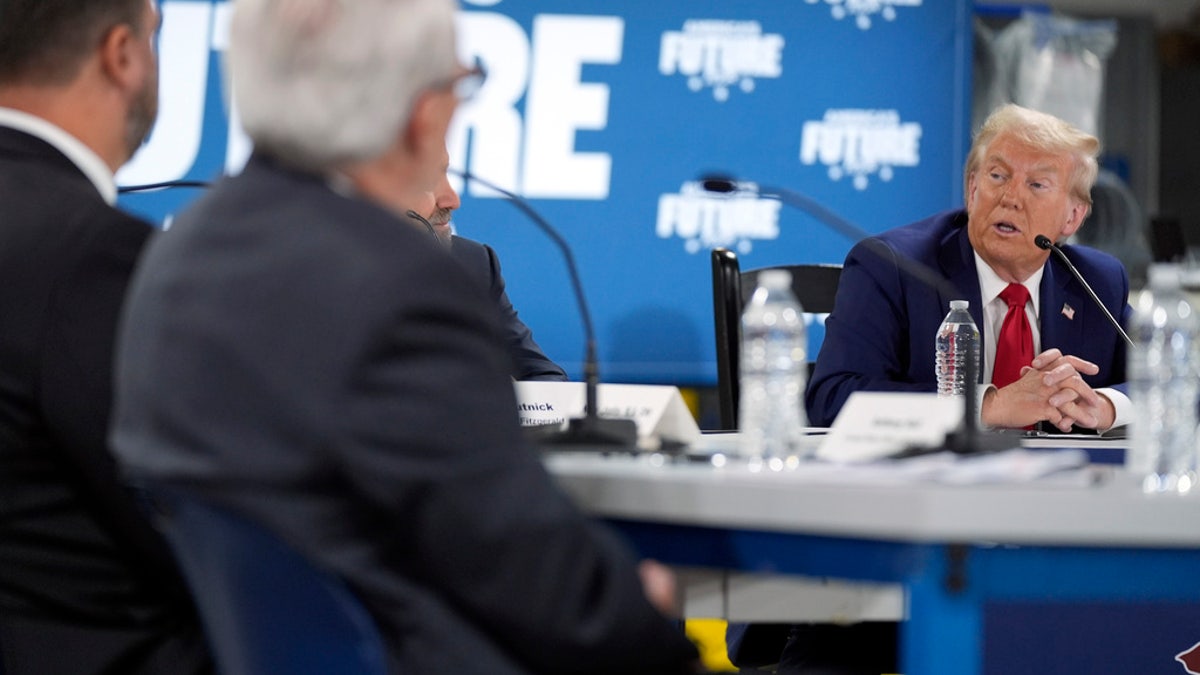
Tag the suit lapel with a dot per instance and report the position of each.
(1059, 326)
(958, 265)
(957, 261)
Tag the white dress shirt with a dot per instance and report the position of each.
(994, 311)
(80, 155)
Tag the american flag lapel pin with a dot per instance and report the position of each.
(1068, 311)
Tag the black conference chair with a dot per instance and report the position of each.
(814, 285)
(265, 608)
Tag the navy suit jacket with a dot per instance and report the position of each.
(880, 335)
(529, 361)
(86, 585)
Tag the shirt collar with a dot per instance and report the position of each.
(990, 284)
(80, 155)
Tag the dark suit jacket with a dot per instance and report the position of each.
(311, 361)
(481, 263)
(86, 586)
(880, 335)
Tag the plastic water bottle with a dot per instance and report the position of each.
(1163, 385)
(957, 340)
(774, 368)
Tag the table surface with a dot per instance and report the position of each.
(1102, 508)
(1080, 537)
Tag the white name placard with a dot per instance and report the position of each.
(659, 411)
(873, 425)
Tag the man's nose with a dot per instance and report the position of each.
(1009, 197)
(447, 196)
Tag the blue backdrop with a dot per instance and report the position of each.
(603, 114)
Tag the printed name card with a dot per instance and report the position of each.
(874, 425)
(658, 411)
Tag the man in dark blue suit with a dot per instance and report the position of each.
(528, 360)
(480, 261)
(1028, 174)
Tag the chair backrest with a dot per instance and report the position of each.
(815, 286)
(1167, 241)
(265, 608)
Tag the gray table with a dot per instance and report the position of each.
(951, 547)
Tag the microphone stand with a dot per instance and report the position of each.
(968, 438)
(591, 429)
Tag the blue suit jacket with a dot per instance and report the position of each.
(529, 361)
(880, 335)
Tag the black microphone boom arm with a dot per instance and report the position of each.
(151, 187)
(1044, 242)
(591, 429)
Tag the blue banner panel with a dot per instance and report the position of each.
(605, 113)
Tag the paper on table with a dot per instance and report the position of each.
(659, 411)
(1060, 468)
(875, 424)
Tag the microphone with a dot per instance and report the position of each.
(590, 429)
(969, 439)
(1044, 242)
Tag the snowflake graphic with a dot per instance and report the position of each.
(863, 10)
(861, 176)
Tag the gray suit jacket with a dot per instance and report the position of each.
(313, 362)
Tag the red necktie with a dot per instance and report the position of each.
(1014, 347)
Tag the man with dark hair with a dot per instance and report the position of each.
(86, 585)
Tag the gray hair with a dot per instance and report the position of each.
(1044, 132)
(322, 83)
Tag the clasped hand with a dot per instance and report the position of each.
(1051, 388)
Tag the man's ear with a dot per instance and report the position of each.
(1075, 217)
(120, 60)
(426, 129)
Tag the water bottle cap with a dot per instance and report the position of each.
(959, 304)
(775, 279)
